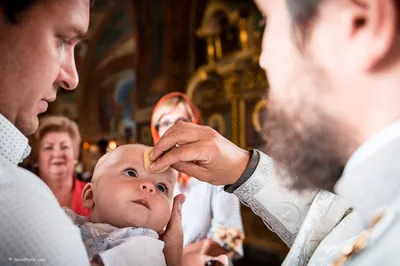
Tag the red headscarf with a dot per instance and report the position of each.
(196, 119)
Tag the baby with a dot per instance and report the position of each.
(126, 202)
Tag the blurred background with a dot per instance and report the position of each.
(137, 51)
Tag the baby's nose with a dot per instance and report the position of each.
(148, 186)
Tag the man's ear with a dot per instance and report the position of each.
(374, 32)
(361, 35)
(88, 196)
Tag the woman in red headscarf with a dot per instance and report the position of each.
(209, 215)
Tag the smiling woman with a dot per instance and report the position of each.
(55, 151)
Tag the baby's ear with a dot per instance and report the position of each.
(88, 196)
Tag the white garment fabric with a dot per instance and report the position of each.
(314, 224)
(100, 237)
(208, 208)
(33, 227)
(371, 182)
(378, 155)
(138, 251)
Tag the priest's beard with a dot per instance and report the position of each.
(308, 145)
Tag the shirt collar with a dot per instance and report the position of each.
(13, 144)
(375, 143)
(369, 181)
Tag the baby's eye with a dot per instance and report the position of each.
(162, 188)
(131, 172)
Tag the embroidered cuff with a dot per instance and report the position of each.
(248, 172)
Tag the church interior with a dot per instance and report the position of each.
(137, 51)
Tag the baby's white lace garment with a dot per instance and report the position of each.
(99, 237)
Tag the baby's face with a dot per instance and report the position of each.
(126, 195)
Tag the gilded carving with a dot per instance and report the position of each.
(235, 121)
(217, 122)
(256, 115)
(230, 79)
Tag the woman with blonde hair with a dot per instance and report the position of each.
(209, 215)
(55, 153)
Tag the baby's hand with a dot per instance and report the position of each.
(173, 235)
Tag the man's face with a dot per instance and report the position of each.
(301, 129)
(124, 194)
(38, 57)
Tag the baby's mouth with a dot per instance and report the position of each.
(143, 203)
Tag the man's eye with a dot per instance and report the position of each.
(62, 43)
(162, 188)
(131, 173)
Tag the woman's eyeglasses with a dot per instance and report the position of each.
(167, 124)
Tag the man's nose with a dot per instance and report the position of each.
(68, 78)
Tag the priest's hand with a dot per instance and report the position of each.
(201, 152)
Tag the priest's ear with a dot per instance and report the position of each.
(88, 196)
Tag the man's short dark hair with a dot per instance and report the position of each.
(303, 11)
(13, 9)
